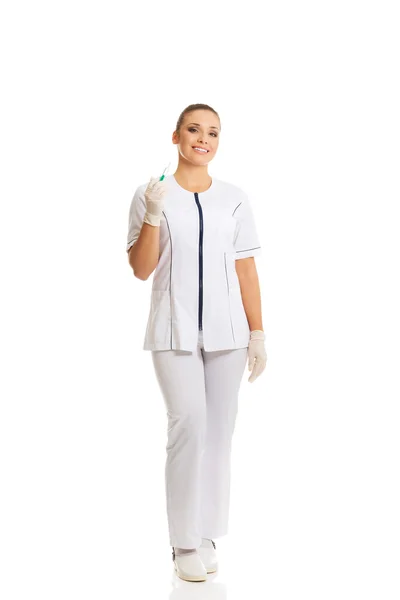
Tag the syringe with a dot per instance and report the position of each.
(165, 171)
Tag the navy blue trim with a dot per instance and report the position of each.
(236, 208)
(247, 249)
(230, 307)
(170, 273)
(196, 197)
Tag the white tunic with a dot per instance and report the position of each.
(195, 284)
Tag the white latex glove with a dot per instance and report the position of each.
(257, 356)
(154, 196)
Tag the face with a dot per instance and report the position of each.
(200, 129)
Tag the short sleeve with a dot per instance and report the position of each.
(246, 238)
(136, 215)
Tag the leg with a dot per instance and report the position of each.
(181, 378)
(223, 375)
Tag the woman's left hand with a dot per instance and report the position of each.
(257, 356)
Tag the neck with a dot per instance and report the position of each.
(192, 177)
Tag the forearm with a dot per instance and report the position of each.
(144, 254)
(251, 297)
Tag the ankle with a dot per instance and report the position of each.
(180, 551)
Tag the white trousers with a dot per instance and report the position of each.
(200, 391)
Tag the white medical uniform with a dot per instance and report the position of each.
(195, 284)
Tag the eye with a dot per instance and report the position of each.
(195, 129)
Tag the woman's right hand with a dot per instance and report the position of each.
(154, 196)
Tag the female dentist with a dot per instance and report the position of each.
(199, 236)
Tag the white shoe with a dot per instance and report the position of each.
(208, 555)
(189, 566)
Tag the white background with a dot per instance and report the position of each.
(308, 96)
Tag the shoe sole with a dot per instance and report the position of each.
(189, 578)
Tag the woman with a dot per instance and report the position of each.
(198, 234)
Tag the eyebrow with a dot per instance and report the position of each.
(198, 125)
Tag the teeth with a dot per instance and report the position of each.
(200, 149)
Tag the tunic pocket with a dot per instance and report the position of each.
(239, 323)
(159, 323)
(239, 318)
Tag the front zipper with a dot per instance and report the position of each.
(196, 197)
